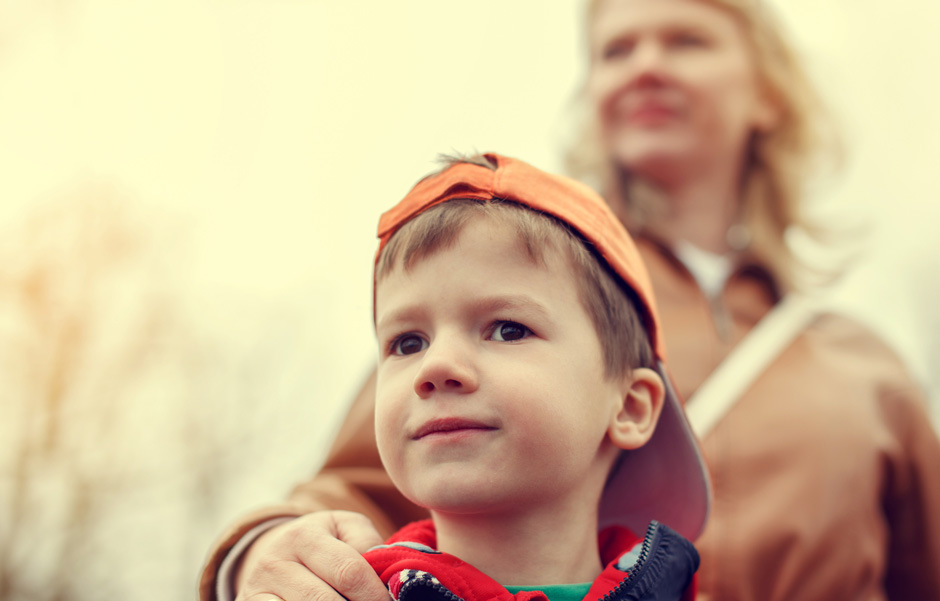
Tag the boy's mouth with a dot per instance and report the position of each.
(448, 425)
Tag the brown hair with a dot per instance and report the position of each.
(610, 305)
(779, 161)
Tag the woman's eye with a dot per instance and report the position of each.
(617, 49)
(408, 344)
(507, 331)
(688, 40)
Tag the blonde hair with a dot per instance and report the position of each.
(611, 306)
(780, 161)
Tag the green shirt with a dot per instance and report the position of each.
(556, 592)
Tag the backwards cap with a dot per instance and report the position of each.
(665, 479)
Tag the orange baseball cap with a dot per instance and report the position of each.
(666, 479)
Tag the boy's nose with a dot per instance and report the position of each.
(445, 368)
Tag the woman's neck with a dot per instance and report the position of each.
(703, 221)
(702, 204)
(701, 216)
(528, 548)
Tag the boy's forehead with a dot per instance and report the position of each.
(497, 226)
(490, 253)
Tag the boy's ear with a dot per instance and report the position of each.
(634, 420)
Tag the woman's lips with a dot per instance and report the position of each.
(648, 107)
(449, 425)
(651, 113)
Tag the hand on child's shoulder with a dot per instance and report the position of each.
(316, 556)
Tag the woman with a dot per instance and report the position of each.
(824, 471)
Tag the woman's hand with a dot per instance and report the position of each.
(316, 557)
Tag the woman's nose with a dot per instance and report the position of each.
(447, 366)
(647, 63)
(645, 67)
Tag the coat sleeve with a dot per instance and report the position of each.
(912, 500)
(351, 479)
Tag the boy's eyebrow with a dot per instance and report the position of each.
(486, 304)
(510, 302)
(405, 314)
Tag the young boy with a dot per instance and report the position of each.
(521, 397)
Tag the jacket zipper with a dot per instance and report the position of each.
(634, 574)
(721, 316)
(440, 589)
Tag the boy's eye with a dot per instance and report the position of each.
(408, 344)
(507, 331)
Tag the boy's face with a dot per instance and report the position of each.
(491, 395)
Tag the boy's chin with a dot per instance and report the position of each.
(452, 502)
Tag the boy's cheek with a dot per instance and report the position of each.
(387, 451)
(391, 416)
(388, 431)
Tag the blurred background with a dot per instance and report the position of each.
(188, 196)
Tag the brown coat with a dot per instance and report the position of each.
(826, 472)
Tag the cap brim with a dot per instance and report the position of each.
(664, 480)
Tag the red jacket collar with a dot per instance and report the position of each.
(409, 559)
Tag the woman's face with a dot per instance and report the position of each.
(674, 85)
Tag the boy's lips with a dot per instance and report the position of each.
(449, 424)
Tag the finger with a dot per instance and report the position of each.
(260, 597)
(288, 581)
(356, 530)
(345, 570)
